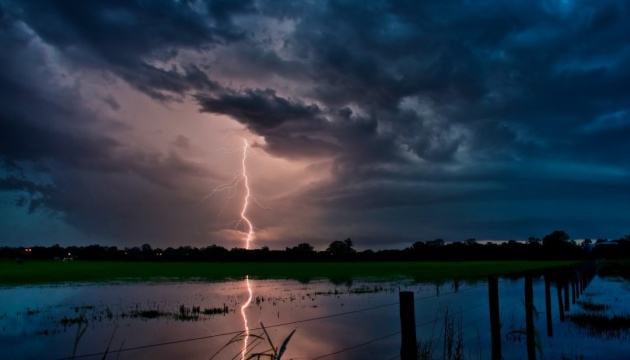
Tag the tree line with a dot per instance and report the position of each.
(554, 246)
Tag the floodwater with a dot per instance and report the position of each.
(354, 320)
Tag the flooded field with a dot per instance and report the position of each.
(352, 320)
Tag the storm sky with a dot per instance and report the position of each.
(387, 122)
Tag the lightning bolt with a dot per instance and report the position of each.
(240, 176)
(250, 227)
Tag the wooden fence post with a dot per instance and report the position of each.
(409, 347)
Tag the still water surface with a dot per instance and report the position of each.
(41, 322)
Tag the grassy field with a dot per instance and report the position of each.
(42, 272)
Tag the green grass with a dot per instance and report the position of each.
(46, 272)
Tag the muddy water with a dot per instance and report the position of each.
(188, 320)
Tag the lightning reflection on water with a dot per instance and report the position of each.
(245, 305)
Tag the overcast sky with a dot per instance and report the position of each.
(387, 122)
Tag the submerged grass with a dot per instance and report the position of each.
(602, 325)
(452, 335)
(44, 272)
(148, 314)
(185, 313)
(589, 305)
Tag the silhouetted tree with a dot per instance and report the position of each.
(147, 249)
(341, 248)
(304, 248)
(133, 253)
(558, 245)
(301, 252)
(436, 242)
(418, 245)
(214, 252)
(532, 240)
(556, 238)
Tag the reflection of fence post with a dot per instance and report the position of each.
(409, 347)
(578, 286)
(529, 318)
(573, 286)
(566, 295)
(548, 306)
(495, 321)
(560, 308)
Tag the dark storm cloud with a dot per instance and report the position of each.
(468, 88)
(101, 186)
(377, 53)
(294, 129)
(21, 141)
(291, 128)
(127, 37)
(261, 110)
(372, 57)
(38, 194)
(494, 64)
(504, 71)
(449, 104)
(57, 159)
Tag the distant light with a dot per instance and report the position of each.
(28, 250)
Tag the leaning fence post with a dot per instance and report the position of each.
(495, 321)
(409, 347)
(529, 318)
